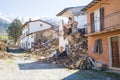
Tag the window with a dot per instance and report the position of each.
(28, 44)
(32, 44)
(41, 25)
(97, 20)
(26, 33)
(98, 46)
(102, 18)
(92, 22)
(32, 35)
(22, 44)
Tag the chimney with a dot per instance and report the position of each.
(30, 19)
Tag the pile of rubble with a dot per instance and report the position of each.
(46, 48)
(76, 59)
(3, 49)
(73, 57)
(5, 55)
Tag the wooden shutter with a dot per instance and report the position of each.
(98, 46)
(92, 22)
(100, 50)
(102, 18)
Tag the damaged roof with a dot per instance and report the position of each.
(90, 4)
(75, 10)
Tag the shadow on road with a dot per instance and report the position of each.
(15, 50)
(38, 65)
(81, 75)
(92, 75)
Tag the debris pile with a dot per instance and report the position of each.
(76, 59)
(5, 55)
(46, 48)
(73, 57)
(3, 45)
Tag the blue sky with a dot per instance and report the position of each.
(36, 8)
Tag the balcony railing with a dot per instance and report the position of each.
(111, 23)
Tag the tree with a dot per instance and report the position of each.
(14, 30)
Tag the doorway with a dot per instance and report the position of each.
(115, 51)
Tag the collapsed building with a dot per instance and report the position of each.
(31, 31)
(66, 44)
(73, 48)
(71, 45)
(76, 25)
(72, 51)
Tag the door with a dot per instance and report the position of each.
(115, 49)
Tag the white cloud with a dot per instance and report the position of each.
(0, 13)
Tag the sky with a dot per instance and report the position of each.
(36, 8)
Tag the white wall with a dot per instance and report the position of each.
(35, 26)
(32, 27)
(82, 21)
(61, 38)
(24, 37)
(30, 41)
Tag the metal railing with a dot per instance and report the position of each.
(111, 21)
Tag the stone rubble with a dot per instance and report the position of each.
(5, 55)
(74, 57)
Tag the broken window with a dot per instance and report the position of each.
(98, 46)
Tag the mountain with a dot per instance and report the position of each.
(3, 26)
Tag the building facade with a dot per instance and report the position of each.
(103, 20)
(29, 31)
(76, 17)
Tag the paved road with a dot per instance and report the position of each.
(29, 69)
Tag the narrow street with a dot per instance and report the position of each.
(25, 68)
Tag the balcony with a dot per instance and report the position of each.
(111, 23)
